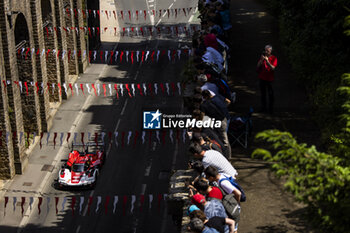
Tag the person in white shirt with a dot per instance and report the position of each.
(213, 158)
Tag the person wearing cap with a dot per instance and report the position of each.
(191, 208)
(211, 208)
(197, 226)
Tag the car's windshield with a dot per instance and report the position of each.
(78, 168)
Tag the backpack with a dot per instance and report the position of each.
(231, 206)
(224, 89)
(236, 185)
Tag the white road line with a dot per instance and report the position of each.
(78, 229)
(192, 16)
(26, 216)
(143, 189)
(59, 154)
(86, 207)
(123, 110)
(148, 169)
(173, 165)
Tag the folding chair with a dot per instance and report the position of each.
(240, 128)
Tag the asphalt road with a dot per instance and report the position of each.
(132, 172)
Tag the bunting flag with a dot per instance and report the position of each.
(99, 199)
(159, 201)
(127, 138)
(106, 204)
(48, 199)
(133, 15)
(142, 200)
(132, 199)
(39, 204)
(63, 204)
(31, 201)
(115, 204)
(14, 203)
(81, 203)
(73, 201)
(5, 204)
(125, 200)
(150, 201)
(90, 203)
(56, 204)
(103, 58)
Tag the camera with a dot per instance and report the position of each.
(264, 53)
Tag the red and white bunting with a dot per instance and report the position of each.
(127, 137)
(132, 15)
(107, 56)
(133, 89)
(144, 31)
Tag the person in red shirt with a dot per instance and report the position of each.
(266, 67)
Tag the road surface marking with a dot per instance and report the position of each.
(78, 229)
(123, 110)
(59, 154)
(143, 189)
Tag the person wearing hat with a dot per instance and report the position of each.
(192, 208)
(197, 225)
(211, 208)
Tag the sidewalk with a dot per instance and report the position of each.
(43, 163)
(268, 208)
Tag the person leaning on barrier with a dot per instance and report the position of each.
(213, 175)
(213, 158)
(215, 108)
(215, 222)
(205, 142)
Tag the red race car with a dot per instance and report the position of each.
(83, 165)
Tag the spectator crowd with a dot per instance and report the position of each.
(215, 194)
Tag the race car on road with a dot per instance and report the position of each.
(83, 165)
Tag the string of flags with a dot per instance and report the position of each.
(118, 139)
(125, 31)
(119, 90)
(94, 204)
(129, 14)
(108, 57)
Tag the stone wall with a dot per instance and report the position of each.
(24, 24)
(178, 198)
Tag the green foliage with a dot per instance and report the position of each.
(317, 179)
(313, 37)
(341, 140)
